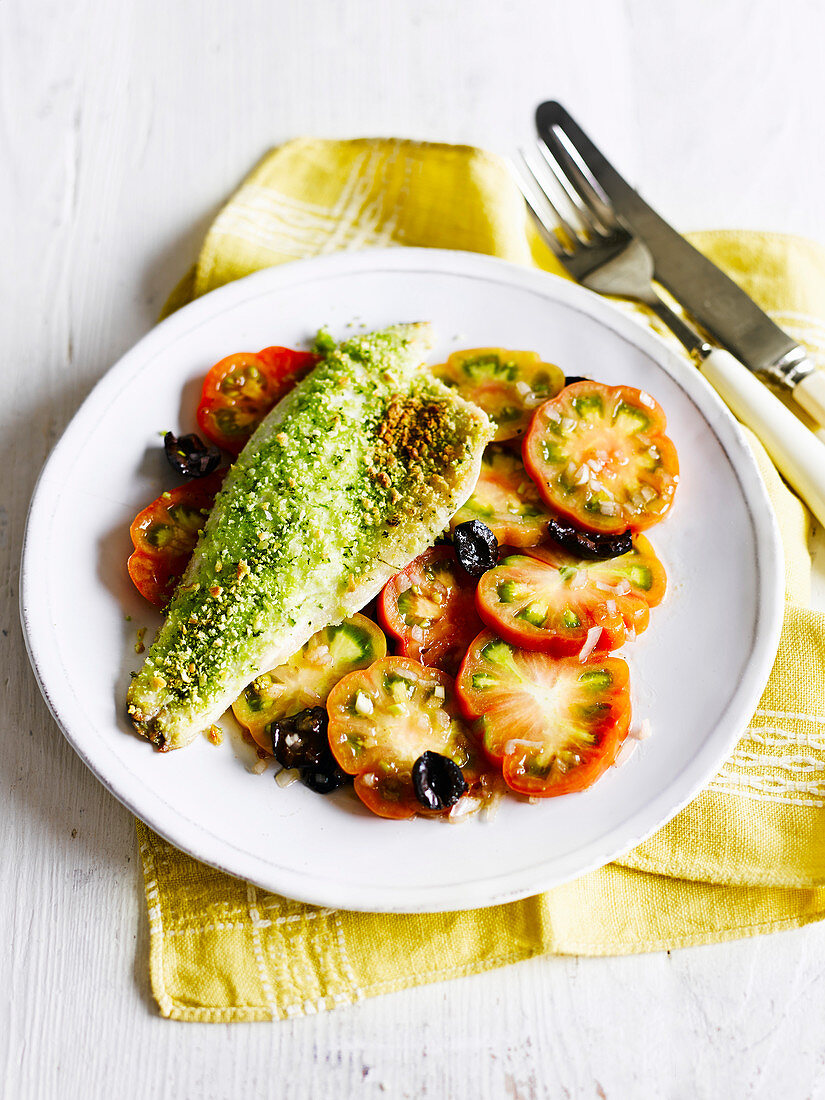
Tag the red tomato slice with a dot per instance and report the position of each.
(550, 600)
(506, 500)
(599, 456)
(638, 574)
(164, 535)
(508, 385)
(553, 608)
(240, 390)
(155, 578)
(429, 608)
(554, 726)
(382, 718)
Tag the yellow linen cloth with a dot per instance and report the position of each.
(747, 856)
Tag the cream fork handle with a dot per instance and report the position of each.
(798, 454)
(810, 393)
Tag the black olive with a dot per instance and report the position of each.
(325, 777)
(300, 740)
(189, 455)
(437, 781)
(569, 379)
(476, 547)
(589, 544)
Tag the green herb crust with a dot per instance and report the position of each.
(351, 476)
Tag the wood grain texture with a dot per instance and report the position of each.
(122, 128)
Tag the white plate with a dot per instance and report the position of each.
(697, 672)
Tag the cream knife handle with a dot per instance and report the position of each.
(810, 393)
(798, 454)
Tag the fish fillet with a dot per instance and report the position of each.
(352, 475)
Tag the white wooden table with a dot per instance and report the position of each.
(123, 125)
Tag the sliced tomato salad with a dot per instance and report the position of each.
(241, 389)
(164, 535)
(307, 678)
(554, 726)
(382, 719)
(599, 456)
(429, 609)
(508, 385)
(506, 500)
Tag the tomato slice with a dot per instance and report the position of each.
(382, 719)
(508, 385)
(429, 609)
(506, 500)
(240, 390)
(155, 578)
(535, 605)
(307, 678)
(638, 574)
(599, 456)
(164, 535)
(550, 600)
(554, 726)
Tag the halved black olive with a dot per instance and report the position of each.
(437, 781)
(326, 777)
(300, 741)
(569, 379)
(189, 455)
(476, 547)
(589, 544)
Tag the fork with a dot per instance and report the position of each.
(601, 253)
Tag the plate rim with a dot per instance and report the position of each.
(210, 847)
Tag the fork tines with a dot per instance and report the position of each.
(547, 187)
(579, 184)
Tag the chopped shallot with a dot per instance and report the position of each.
(593, 635)
(512, 746)
(363, 703)
(625, 752)
(491, 804)
(642, 731)
(462, 809)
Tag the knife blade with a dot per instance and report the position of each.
(714, 301)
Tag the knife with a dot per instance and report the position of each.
(715, 302)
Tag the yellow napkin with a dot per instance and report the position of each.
(747, 856)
